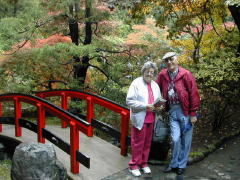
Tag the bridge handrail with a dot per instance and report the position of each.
(42, 105)
(91, 100)
(83, 95)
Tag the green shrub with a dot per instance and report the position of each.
(218, 77)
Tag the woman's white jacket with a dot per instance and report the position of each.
(137, 100)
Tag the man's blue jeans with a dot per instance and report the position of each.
(181, 141)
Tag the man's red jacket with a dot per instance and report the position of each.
(186, 88)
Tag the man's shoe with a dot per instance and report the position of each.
(180, 171)
(169, 169)
(135, 172)
(146, 170)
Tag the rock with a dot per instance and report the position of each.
(227, 177)
(36, 161)
(3, 154)
(2, 147)
(179, 177)
(221, 174)
(170, 176)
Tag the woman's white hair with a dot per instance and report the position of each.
(148, 65)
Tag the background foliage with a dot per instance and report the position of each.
(114, 40)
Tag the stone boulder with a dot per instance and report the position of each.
(36, 161)
(3, 154)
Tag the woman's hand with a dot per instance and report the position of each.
(159, 108)
(150, 107)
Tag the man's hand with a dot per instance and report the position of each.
(159, 108)
(150, 107)
(193, 119)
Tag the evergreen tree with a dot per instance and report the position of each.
(37, 68)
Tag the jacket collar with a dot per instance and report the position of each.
(179, 75)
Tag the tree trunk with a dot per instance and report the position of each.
(80, 69)
(73, 27)
(88, 27)
(235, 11)
(196, 55)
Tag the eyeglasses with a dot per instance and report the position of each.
(149, 72)
(169, 59)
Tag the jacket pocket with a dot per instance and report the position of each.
(138, 119)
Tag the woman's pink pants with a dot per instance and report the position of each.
(141, 143)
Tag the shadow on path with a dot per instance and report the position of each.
(223, 164)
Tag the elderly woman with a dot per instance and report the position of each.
(142, 92)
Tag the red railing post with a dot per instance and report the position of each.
(41, 122)
(64, 104)
(124, 132)
(74, 141)
(1, 113)
(18, 115)
(90, 115)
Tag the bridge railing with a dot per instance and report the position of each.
(92, 99)
(76, 124)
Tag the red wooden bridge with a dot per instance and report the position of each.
(77, 123)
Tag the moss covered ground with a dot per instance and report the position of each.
(5, 168)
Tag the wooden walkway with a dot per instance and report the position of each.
(105, 159)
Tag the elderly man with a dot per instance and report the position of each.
(178, 86)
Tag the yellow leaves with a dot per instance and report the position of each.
(187, 46)
(196, 7)
(208, 44)
(146, 9)
(143, 8)
(158, 3)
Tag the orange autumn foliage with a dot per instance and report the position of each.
(51, 40)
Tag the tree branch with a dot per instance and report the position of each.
(212, 22)
(128, 52)
(95, 31)
(107, 76)
(20, 46)
(36, 26)
(98, 68)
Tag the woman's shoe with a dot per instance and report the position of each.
(135, 172)
(146, 170)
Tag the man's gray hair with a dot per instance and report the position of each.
(148, 65)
